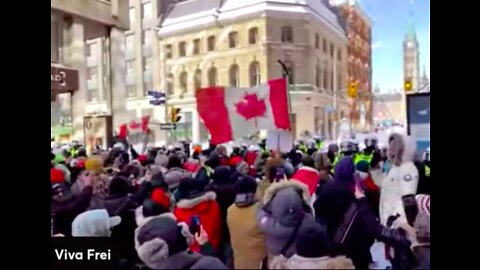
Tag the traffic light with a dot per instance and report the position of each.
(174, 117)
(352, 89)
(407, 85)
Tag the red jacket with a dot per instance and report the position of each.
(308, 176)
(208, 211)
(370, 185)
(233, 161)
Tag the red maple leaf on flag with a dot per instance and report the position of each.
(251, 107)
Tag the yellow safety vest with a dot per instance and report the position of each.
(303, 148)
(208, 170)
(360, 157)
(427, 171)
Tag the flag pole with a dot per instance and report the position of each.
(334, 100)
(286, 73)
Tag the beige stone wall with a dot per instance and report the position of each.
(222, 58)
(108, 12)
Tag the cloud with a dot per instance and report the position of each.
(377, 44)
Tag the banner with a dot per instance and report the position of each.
(418, 119)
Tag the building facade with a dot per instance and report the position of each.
(238, 43)
(358, 26)
(87, 63)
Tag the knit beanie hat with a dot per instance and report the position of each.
(160, 197)
(313, 242)
(190, 188)
(161, 237)
(56, 176)
(119, 185)
(362, 166)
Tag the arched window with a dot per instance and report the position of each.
(325, 79)
(212, 77)
(183, 82)
(254, 72)
(197, 80)
(234, 75)
(287, 34)
(317, 77)
(291, 72)
(233, 39)
(170, 84)
(253, 35)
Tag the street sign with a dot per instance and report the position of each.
(167, 126)
(156, 94)
(157, 102)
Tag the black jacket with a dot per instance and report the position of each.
(123, 235)
(66, 211)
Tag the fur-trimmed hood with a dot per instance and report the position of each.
(191, 203)
(299, 262)
(402, 147)
(273, 188)
(154, 252)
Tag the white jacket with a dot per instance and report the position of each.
(400, 181)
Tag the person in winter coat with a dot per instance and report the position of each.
(65, 206)
(175, 172)
(284, 212)
(372, 191)
(162, 243)
(120, 202)
(248, 241)
(197, 204)
(94, 223)
(222, 185)
(307, 174)
(313, 251)
(351, 226)
(270, 165)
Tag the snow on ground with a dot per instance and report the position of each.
(378, 254)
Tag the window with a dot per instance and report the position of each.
(339, 81)
(317, 76)
(92, 73)
(170, 84)
(147, 86)
(291, 72)
(325, 79)
(212, 76)
(233, 39)
(197, 80)
(131, 91)
(233, 75)
(56, 40)
(196, 46)
(146, 38)
(182, 48)
(317, 41)
(324, 45)
(211, 43)
(91, 49)
(168, 51)
(129, 43)
(147, 64)
(131, 16)
(254, 72)
(183, 82)
(332, 82)
(92, 84)
(332, 50)
(287, 34)
(130, 66)
(339, 55)
(253, 35)
(147, 10)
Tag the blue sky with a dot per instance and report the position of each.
(390, 18)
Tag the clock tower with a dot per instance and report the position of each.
(411, 56)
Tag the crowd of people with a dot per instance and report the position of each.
(194, 208)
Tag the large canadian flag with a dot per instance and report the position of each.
(232, 113)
